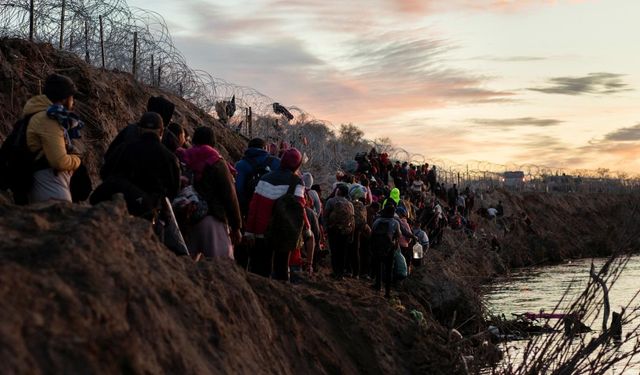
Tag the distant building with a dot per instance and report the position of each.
(513, 179)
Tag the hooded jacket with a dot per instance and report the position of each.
(394, 196)
(245, 170)
(45, 136)
(214, 182)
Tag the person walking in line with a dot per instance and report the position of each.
(217, 233)
(264, 258)
(340, 221)
(384, 243)
(50, 133)
(130, 133)
(144, 171)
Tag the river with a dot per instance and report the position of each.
(540, 288)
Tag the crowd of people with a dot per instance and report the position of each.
(375, 222)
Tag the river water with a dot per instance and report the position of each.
(535, 289)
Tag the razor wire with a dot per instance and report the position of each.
(90, 27)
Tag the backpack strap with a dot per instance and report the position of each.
(293, 183)
(253, 163)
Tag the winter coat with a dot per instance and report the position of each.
(150, 166)
(213, 181)
(245, 170)
(128, 134)
(271, 186)
(45, 136)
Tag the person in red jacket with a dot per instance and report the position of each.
(263, 260)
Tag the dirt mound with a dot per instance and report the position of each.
(564, 226)
(560, 227)
(107, 102)
(90, 290)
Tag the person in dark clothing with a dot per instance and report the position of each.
(174, 138)
(157, 104)
(500, 209)
(146, 164)
(384, 262)
(432, 179)
(256, 162)
(452, 196)
(256, 159)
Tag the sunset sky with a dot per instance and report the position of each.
(543, 82)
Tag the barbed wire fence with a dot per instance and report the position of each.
(110, 34)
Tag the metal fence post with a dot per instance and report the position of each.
(135, 53)
(102, 41)
(62, 24)
(86, 41)
(31, 21)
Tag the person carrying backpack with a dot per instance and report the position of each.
(355, 257)
(384, 243)
(276, 223)
(314, 199)
(49, 134)
(217, 233)
(255, 163)
(340, 221)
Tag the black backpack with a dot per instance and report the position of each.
(284, 232)
(383, 241)
(258, 170)
(17, 162)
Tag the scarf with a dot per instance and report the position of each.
(69, 121)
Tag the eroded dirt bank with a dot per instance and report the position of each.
(90, 290)
(107, 101)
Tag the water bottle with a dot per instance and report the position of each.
(417, 251)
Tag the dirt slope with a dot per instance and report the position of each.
(89, 290)
(564, 226)
(107, 102)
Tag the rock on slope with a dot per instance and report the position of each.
(90, 290)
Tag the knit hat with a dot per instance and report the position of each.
(357, 191)
(58, 87)
(307, 178)
(401, 211)
(291, 159)
(161, 106)
(150, 120)
(257, 143)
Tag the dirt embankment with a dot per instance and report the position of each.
(90, 290)
(107, 102)
(562, 226)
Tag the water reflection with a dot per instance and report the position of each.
(541, 288)
(532, 290)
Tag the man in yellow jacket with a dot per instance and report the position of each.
(48, 138)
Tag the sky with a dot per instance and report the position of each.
(547, 82)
